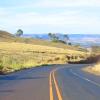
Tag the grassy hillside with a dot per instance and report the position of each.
(6, 36)
(94, 58)
(15, 56)
(19, 53)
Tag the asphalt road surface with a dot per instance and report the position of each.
(56, 82)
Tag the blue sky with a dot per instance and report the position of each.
(43, 16)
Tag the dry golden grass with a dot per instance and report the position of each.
(17, 53)
(95, 69)
(8, 37)
(15, 56)
(22, 47)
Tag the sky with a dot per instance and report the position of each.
(56, 16)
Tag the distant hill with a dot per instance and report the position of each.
(17, 53)
(6, 36)
(85, 40)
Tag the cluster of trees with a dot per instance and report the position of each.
(54, 37)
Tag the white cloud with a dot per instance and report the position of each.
(74, 19)
(56, 4)
(58, 20)
(65, 18)
(67, 3)
(3, 12)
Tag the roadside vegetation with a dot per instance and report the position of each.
(95, 59)
(94, 69)
(19, 53)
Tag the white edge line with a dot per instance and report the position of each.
(84, 78)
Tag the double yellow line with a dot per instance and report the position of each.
(53, 79)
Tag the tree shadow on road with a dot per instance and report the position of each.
(6, 91)
(21, 78)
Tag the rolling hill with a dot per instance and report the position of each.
(6, 36)
(18, 53)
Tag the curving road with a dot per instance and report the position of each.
(56, 82)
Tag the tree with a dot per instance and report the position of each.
(19, 32)
(66, 38)
(69, 43)
(50, 35)
(53, 37)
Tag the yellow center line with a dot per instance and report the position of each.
(51, 90)
(57, 88)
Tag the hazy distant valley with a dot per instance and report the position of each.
(85, 40)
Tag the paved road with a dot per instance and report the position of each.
(57, 82)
